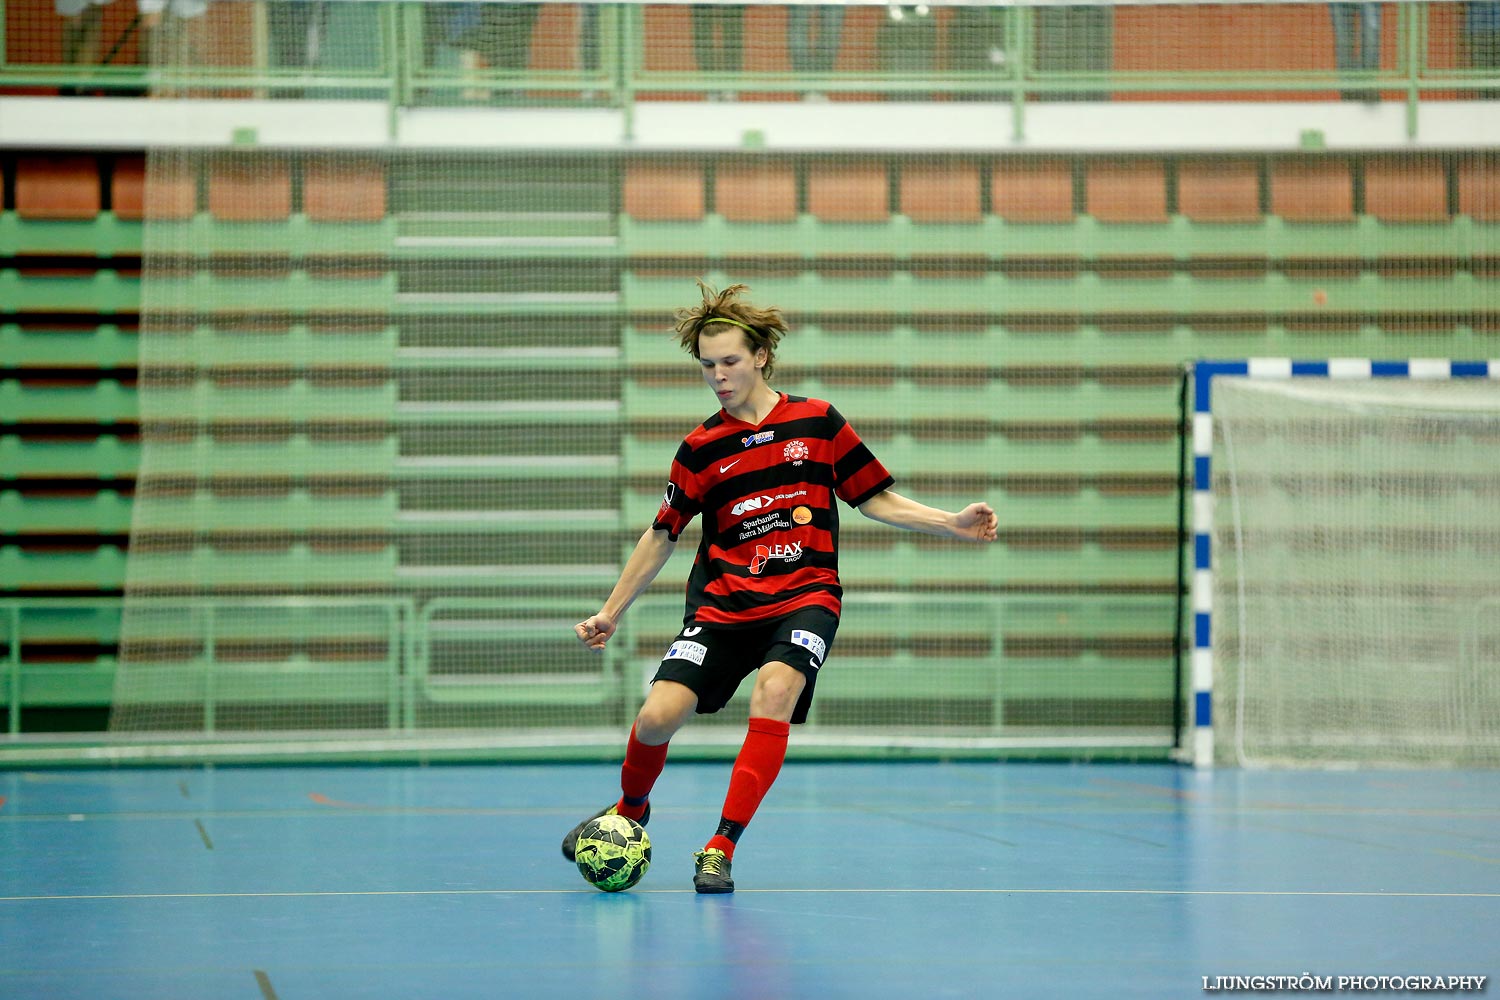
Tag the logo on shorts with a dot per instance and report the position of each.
(760, 438)
(795, 451)
(765, 553)
(693, 652)
(801, 515)
(814, 643)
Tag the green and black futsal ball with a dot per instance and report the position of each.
(613, 853)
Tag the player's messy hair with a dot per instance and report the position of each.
(763, 328)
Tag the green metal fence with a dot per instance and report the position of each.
(997, 652)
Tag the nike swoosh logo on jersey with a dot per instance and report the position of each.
(725, 468)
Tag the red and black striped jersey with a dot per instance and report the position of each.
(770, 520)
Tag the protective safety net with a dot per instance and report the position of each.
(409, 392)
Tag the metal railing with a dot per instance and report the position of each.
(197, 626)
(402, 678)
(399, 68)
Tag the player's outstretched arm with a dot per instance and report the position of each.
(975, 523)
(650, 555)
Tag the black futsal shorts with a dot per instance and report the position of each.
(712, 660)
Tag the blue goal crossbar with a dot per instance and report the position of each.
(1201, 748)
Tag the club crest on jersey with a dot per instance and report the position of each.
(760, 438)
(795, 451)
(765, 553)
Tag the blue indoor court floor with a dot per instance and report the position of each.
(909, 880)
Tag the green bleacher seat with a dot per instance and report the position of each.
(294, 456)
(105, 457)
(104, 346)
(296, 400)
(298, 293)
(280, 566)
(900, 564)
(267, 511)
(104, 234)
(107, 401)
(104, 512)
(297, 237)
(104, 292)
(85, 572)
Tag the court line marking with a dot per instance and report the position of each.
(1094, 830)
(322, 894)
(267, 991)
(349, 809)
(902, 817)
(1489, 838)
(324, 800)
(1344, 838)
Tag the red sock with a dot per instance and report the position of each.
(755, 769)
(638, 774)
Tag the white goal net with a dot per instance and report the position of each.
(1357, 592)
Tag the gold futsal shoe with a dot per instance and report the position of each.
(711, 871)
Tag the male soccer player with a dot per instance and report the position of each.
(763, 596)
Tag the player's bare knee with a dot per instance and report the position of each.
(776, 694)
(666, 709)
(655, 724)
(652, 729)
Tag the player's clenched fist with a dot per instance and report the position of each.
(594, 631)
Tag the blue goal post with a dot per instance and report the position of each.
(1204, 375)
